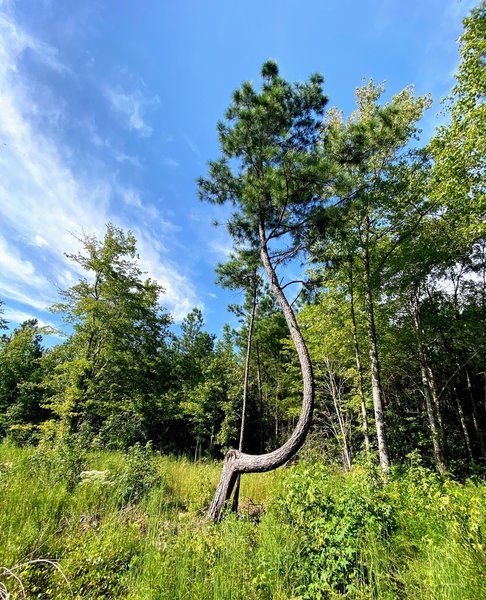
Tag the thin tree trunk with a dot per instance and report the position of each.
(438, 453)
(462, 419)
(375, 369)
(475, 415)
(260, 394)
(237, 462)
(337, 408)
(435, 398)
(241, 443)
(449, 348)
(428, 389)
(357, 355)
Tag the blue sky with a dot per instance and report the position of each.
(108, 112)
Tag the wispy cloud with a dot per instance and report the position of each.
(131, 105)
(192, 146)
(221, 248)
(13, 315)
(121, 157)
(170, 162)
(106, 145)
(20, 281)
(19, 41)
(48, 193)
(382, 17)
(441, 61)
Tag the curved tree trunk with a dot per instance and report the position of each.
(237, 462)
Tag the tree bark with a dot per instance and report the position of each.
(357, 355)
(337, 409)
(476, 416)
(236, 462)
(462, 419)
(260, 394)
(375, 369)
(429, 390)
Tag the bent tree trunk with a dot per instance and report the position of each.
(236, 462)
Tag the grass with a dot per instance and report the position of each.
(137, 531)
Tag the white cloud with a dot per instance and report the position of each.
(222, 248)
(192, 146)
(46, 195)
(20, 281)
(40, 241)
(170, 162)
(179, 304)
(130, 106)
(441, 58)
(88, 126)
(13, 315)
(121, 157)
(19, 41)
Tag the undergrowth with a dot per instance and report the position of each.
(131, 525)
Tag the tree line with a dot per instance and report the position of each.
(387, 310)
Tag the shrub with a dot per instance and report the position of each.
(336, 517)
(139, 474)
(59, 461)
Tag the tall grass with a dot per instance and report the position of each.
(135, 529)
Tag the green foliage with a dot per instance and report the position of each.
(307, 531)
(139, 474)
(98, 563)
(59, 461)
(459, 148)
(116, 362)
(3, 322)
(336, 524)
(403, 241)
(21, 374)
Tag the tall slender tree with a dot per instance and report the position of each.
(273, 172)
(241, 272)
(378, 211)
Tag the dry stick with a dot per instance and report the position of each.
(4, 594)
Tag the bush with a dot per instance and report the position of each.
(139, 475)
(337, 517)
(59, 461)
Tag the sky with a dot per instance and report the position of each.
(108, 113)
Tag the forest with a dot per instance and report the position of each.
(358, 364)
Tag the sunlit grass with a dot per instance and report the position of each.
(160, 546)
